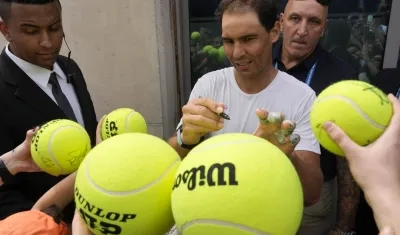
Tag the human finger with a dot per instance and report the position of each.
(193, 109)
(200, 124)
(392, 131)
(288, 144)
(288, 127)
(387, 231)
(216, 107)
(270, 122)
(197, 129)
(30, 134)
(99, 139)
(341, 139)
(395, 121)
(266, 117)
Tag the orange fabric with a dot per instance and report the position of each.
(32, 222)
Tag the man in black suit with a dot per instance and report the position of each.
(300, 55)
(36, 85)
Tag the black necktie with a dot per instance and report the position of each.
(61, 99)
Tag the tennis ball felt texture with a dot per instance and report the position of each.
(59, 146)
(237, 184)
(123, 120)
(361, 110)
(124, 185)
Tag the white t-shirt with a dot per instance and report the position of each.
(284, 94)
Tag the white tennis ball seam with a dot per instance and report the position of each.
(356, 107)
(50, 147)
(134, 191)
(127, 121)
(223, 223)
(241, 141)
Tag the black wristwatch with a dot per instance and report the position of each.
(5, 174)
(335, 228)
(183, 145)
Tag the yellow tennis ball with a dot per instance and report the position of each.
(195, 35)
(213, 52)
(207, 48)
(361, 110)
(123, 120)
(237, 184)
(124, 185)
(59, 146)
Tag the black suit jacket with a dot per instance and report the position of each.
(23, 106)
(330, 69)
(388, 80)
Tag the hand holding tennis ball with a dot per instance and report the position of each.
(58, 147)
(361, 110)
(20, 160)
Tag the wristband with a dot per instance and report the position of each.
(183, 145)
(341, 232)
(5, 174)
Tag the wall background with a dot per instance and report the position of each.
(126, 53)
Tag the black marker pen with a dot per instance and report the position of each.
(223, 115)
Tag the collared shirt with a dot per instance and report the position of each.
(41, 77)
(299, 71)
(329, 69)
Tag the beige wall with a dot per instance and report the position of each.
(125, 50)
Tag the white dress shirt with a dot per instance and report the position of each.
(41, 77)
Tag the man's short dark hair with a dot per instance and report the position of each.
(324, 2)
(5, 6)
(267, 10)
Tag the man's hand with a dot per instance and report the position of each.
(78, 226)
(387, 231)
(200, 116)
(274, 128)
(376, 167)
(20, 159)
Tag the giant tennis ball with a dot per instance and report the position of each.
(59, 146)
(360, 109)
(123, 120)
(237, 184)
(124, 185)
